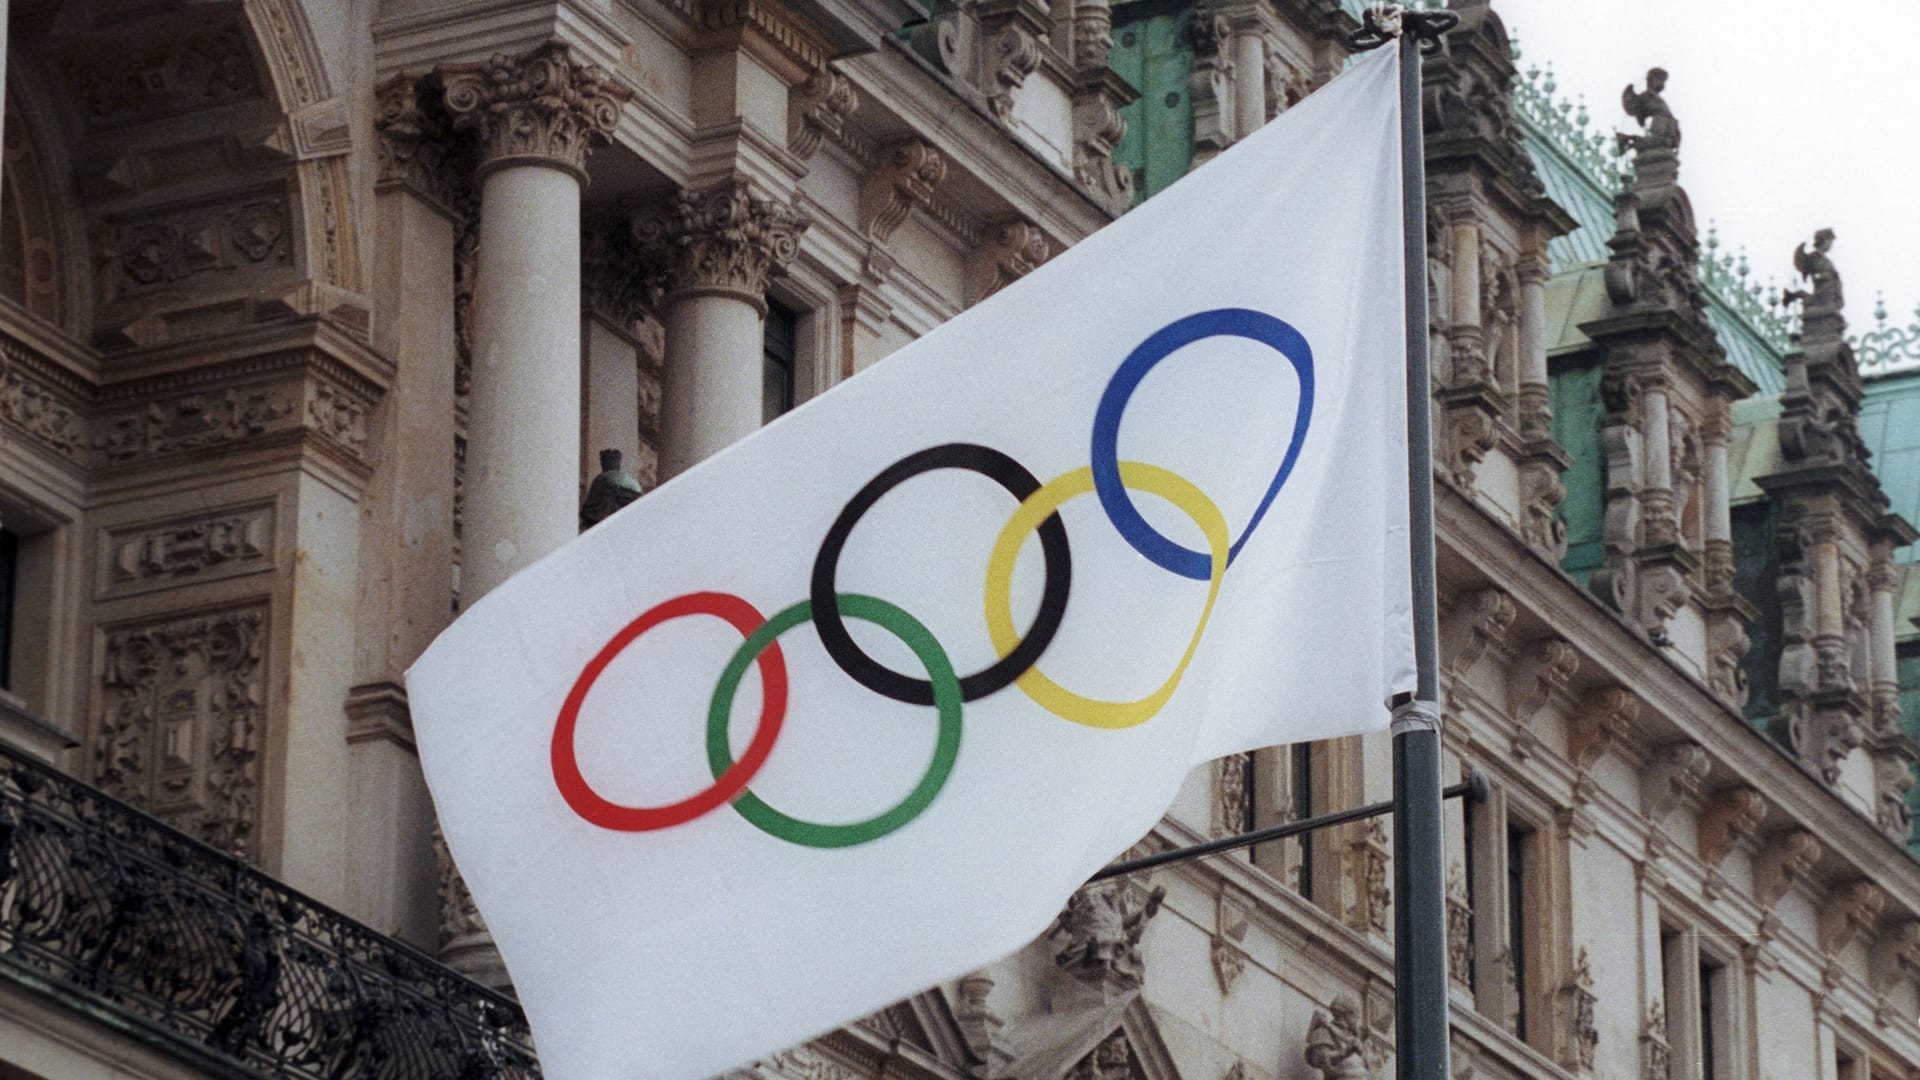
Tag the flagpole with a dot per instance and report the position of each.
(1420, 927)
(1419, 911)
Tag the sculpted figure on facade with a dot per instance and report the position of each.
(1097, 937)
(1337, 1042)
(1660, 131)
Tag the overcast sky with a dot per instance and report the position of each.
(1793, 117)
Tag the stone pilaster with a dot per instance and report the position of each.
(718, 250)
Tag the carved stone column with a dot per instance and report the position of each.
(719, 249)
(1249, 80)
(1542, 461)
(536, 115)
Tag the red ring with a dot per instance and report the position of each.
(773, 711)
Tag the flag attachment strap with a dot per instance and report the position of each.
(1416, 715)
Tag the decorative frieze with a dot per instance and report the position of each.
(32, 401)
(160, 249)
(415, 144)
(1368, 857)
(181, 722)
(139, 558)
(542, 107)
(192, 422)
(723, 240)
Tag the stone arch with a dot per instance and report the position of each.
(39, 267)
(200, 151)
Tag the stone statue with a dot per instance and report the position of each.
(611, 491)
(1660, 130)
(1825, 295)
(1102, 926)
(1336, 1044)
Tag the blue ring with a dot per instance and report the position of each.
(1235, 322)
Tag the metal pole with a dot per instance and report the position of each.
(1419, 910)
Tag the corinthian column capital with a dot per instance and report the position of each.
(539, 108)
(721, 241)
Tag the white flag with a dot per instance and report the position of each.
(854, 706)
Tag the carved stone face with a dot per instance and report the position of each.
(1823, 240)
(1656, 80)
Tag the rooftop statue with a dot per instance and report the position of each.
(1660, 130)
(1825, 295)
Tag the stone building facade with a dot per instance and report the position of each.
(316, 316)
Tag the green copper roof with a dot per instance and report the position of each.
(1890, 426)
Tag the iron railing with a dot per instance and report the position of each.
(99, 899)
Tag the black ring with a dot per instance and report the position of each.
(868, 672)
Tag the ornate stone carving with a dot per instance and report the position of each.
(1092, 34)
(1284, 88)
(1230, 924)
(30, 403)
(1729, 819)
(1540, 523)
(1895, 955)
(1230, 794)
(148, 82)
(1850, 910)
(1784, 861)
(1098, 127)
(1893, 778)
(1604, 719)
(1370, 893)
(192, 422)
(1475, 626)
(820, 108)
(1096, 939)
(1010, 251)
(183, 707)
(542, 107)
(1459, 928)
(160, 249)
(1546, 667)
(416, 148)
(339, 413)
(722, 240)
(1210, 84)
(1660, 129)
(176, 552)
(979, 1024)
(1113, 1059)
(1579, 1035)
(1338, 1044)
(1656, 1055)
(1673, 777)
(1012, 54)
(906, 178)
(1725, 674)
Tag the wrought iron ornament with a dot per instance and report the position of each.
(106, 903)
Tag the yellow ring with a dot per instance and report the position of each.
(1046, 693)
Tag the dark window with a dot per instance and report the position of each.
(9, 560)
(776, 386)
(1518, 843)
(1300, 788)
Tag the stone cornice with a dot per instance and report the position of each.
(542, 107)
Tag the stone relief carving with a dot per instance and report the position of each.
(1729, 819)
(192, 422)
(1659, 128)
(1113, 1059)
(1784, 861)
(722, 239)
(181, 722)
(154, 556)
(907, 177)
(1459, 927)
(1673, 777)
(1230, 932)
(1097, 937)
(1849, 911)
(979, 1024)
(1368, 857)
(1230, 794)
(416, 147)
(1210, 84)
(1098, 127)
(1337, 1043)
(1656, 1056)
(541, 107)
(1579, 1034)
(820, 108)
(339, 413)
(164, 248)
(1012, 54)
(46, 415)
(151, 82)
(1010, 251)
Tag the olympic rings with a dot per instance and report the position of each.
(827, 608)
(773, 711)
(869, 673)
(1046, 693)
(1224, 322)
(946, 696)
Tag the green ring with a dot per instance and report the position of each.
(946, 698)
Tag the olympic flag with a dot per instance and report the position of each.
(855, 705)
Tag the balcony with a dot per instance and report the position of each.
(191, 950)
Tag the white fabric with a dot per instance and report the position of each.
(677, 953)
